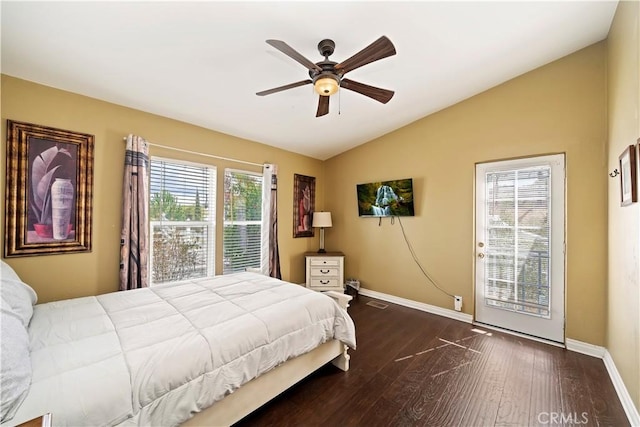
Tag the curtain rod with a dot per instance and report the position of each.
(201, 154)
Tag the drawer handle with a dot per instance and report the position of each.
(325, 282)
(324, 272)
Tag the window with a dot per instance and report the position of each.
(242, 220)
(518, 240)
(182, 220)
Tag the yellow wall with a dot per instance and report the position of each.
(623, 329)
(56, 277)
(560, 107)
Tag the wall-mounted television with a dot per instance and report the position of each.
(386, 198)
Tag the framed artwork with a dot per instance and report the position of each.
(304, 199)
(49, 188)
(628, 176)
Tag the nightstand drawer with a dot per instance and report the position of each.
(325, 282)
(325, 271)
(331, 262)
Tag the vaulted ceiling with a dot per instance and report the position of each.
(203, 62)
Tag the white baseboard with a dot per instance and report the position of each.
(571, 344)
(602, 353)
(452, 314)
(585, 348)
(627, 403)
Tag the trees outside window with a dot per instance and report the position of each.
(242, 220)
(182, 217)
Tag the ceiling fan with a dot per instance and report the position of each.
(328, 76)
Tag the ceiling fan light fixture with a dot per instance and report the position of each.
(326, 86)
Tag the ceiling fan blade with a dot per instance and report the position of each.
(379, 49)
(292, 53)
(379, 94)
(323, 106)
(285, 87)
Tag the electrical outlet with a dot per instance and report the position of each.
(457, 302)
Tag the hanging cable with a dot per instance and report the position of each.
(415, 258)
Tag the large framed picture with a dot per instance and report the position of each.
(49, 188)
(304, 196)
(628, 176)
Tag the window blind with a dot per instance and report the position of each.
(242, 220)
(182, 219)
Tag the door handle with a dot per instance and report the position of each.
(480, 255)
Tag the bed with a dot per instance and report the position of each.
(202, 352)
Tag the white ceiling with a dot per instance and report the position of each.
(202, 62)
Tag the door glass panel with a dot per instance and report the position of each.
(517, 272)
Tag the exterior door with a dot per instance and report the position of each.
(520, 235)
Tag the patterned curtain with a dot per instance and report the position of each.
(270, 263)
(134, 251)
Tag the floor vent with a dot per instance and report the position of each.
(376, 304)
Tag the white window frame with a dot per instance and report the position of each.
(210, 223)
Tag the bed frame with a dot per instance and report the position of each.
(259, 391)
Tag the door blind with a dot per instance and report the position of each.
(517, 274)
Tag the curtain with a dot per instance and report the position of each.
(134, 251)
(270, 263)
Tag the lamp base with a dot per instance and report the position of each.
(321, 250)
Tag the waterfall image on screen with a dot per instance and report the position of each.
(386, 198)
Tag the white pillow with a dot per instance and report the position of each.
(6, 272)
(15, 362)
(17, 294)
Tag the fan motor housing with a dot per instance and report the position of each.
(323, 75)
(328, 67)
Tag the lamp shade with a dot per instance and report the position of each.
(321, 219)
(326, 86)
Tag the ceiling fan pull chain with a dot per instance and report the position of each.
(339, 99)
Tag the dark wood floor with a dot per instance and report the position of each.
(417, 369)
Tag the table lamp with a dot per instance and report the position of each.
(321, 220)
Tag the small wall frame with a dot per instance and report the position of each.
(48, 195)
(628, 176)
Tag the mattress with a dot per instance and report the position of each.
(158, 355)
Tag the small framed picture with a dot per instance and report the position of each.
(49, 190)
(628, 176)
(304, 195)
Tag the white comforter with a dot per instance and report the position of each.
(155, 356)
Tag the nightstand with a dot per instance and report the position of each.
(325, 271)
